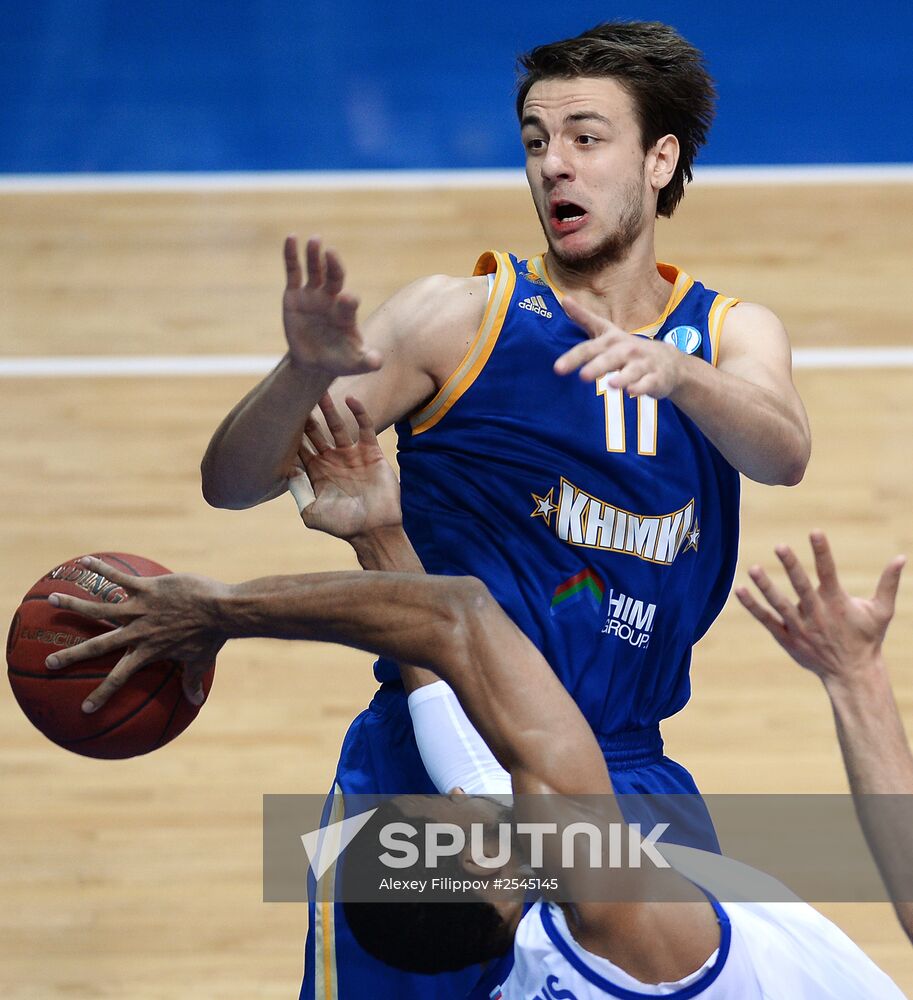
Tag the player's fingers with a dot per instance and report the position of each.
(292, 263)
(129, 664)
(371, 361)
(192, 684)
(337, 426)
(578, 355)
(129, 581)
(314, 433)
(625, 370)
(757, 610)
(824, 564)
(314, 262)
(344, 310)
(306, 451)
(613, 359)
(587, 351)
(803, 587)
(366, 432)
(89, 609)
(886, 591)
(774, 598)
(593, 324)
(335, 273)
(89, 649)
(643, 386)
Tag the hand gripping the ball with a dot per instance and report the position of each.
(164, 618)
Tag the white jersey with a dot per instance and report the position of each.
(767, 951)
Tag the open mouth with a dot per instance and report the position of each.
(567, 216)
(567, 211)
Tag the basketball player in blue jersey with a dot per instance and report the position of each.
(571, 426)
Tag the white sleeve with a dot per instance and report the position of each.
(452, 751)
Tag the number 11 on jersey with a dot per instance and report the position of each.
(615, 418)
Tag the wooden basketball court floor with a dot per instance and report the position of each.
(141, 878)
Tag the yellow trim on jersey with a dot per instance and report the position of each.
(480, 349)
(538, 265)
(325, 977)
(681, 285)
(716, 316)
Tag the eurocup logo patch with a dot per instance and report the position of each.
(685, 338)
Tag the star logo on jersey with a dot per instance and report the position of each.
(692, 538)
(544, 506)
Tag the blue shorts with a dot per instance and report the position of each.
(379, 755)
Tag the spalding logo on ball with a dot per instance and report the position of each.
(148, 712)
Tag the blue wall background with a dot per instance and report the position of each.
(102, 85)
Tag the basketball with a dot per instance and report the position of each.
(148, 712)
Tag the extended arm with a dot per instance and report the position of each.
(418, 336)
(253, 449)
(455, 628)
(747, 405)
(839, 638)
(449, 625)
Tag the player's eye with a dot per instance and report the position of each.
(587, 140)
(535, 144)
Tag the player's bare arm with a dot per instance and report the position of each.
(394, 361)
(839, 638)
(747, 405)
(356, 498)
(449, 625)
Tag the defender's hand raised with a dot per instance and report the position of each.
(319, 317)
(355, 489)
(827, 631)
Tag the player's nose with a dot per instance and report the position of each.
(555, 164)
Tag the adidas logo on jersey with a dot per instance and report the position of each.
(536, 304)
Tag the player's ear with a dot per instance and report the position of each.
(661, 161)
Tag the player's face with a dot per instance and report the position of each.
(586, 169)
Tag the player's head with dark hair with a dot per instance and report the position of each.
(441, 932)
(664, 75)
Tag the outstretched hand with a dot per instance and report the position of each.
(164, 618)
(639, 365)
(356, 490)
(319, 316)
(827, 631)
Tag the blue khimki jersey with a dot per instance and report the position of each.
(606, 527)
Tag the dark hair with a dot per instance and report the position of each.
(428, 936)
(665, 76)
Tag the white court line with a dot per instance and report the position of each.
(140, 366)
(129, 366)
(385, 180)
